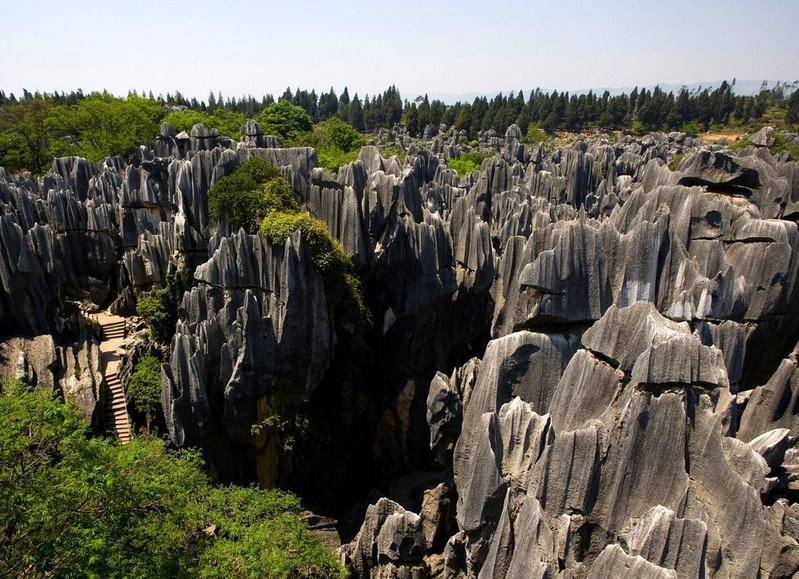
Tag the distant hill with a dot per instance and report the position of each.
(742, 87)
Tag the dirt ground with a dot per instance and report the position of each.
(713, 137)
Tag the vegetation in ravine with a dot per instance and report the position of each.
(76, 506)
(467, 163)
(159, 311)
(340, 412)
(144, 388)
(244, 197)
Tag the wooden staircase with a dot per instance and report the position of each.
(116, 411)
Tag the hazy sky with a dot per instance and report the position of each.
(443, 47)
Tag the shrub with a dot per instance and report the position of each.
(159, 309)
(691, 129)
(333, 158)
(87, 507)
(341, 135)
(781, 144)
(468, 163)
(259, 170)
(535, 135)
(394, 151)
(675, 161)
(228, 123)
(262, 532)
(326, 252)
(284, 120)
(144, 389)
(245, 196)
(278, 195)
(337, 143)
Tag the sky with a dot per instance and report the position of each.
(439, 47)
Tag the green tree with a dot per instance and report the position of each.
(73, 506)
(792, 116)
(244, 197)
(144, 389)
(24, 138)
(284, 120)
(102, 125)
(160, 311)
(227, 122)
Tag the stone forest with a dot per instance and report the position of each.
(472, 342)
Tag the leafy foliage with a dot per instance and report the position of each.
(159, 310)
(341, 412)
(102, 125)
(780, 144)
(228, 123)
(284, 120)
(282, 548)
(144, 389)
(326, 252)
(333, 158)
(340, 135)
(535, 135)
(395, 151)
(245, 196)
(337, 143)
(691, 129)
(468, 163)
(71, 506)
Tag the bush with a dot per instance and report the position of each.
(159, 309)
(262, 532)
(341, 135)
(86, 507)
(337, 143)
(228, 123)
(333, 158)
(535, 135)
(468, 163)
(395, 151)
(245, 196)
(691, 129)
(144, 389)
(675, 161)
(326, 252)
(284, 120)
(259, 170)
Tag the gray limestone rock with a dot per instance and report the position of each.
(524, 364)
(259, 314)
(670, 542)
(390, 544)
(763, 137)
(614, 562)
(773, 405)
(83, 380)
(444, 416)
(717, 170)
(772, 445)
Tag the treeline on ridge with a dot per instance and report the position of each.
(36, 127)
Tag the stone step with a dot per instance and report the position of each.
(116, 412)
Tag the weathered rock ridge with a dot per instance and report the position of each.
(599, 352)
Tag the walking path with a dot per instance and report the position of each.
(116, 411)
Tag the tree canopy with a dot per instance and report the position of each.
(245, 196)
(284, 120)
(74, 506)
(36, 127)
